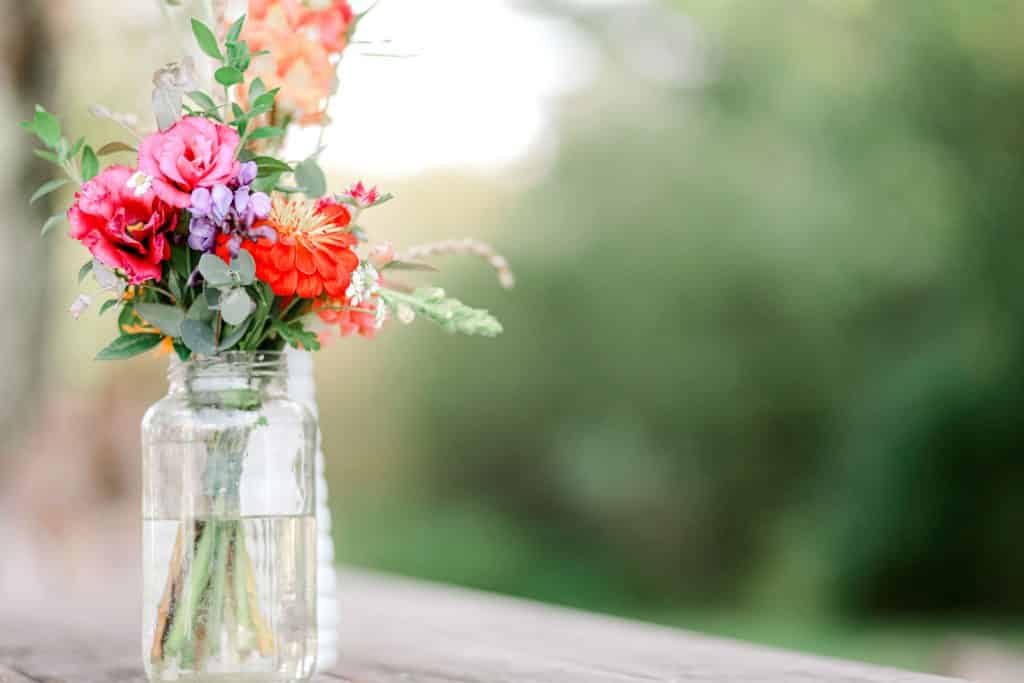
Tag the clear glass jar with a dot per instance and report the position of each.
(229, 525)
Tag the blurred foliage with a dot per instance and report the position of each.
(786, 297)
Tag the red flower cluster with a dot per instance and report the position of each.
(123, 230)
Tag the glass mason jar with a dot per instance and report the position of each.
(229, 525)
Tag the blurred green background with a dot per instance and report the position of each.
(762, 372)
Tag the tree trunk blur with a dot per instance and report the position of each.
(27, 77)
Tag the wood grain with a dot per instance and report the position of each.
(403, 631)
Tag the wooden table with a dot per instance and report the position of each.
(397, 630)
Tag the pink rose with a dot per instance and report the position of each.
(193, 153)
(121, 229)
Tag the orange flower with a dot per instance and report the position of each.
(313, 254)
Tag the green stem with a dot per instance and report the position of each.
(217, 587)
(184, 616)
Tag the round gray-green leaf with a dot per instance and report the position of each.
(236, 305)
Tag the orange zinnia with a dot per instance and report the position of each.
(313, 253)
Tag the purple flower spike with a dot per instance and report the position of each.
(248, 172)
(230, 210)
(201, 202)
(260, 205)
(222, 198)
(241, 199)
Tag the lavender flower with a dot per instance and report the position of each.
(231, 210)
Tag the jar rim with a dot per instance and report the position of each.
(248, 363)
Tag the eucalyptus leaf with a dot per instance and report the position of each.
(200, 310)
(310, 177)
(244, 265)
(48, 188)
(199, 337)
(129, 345)
(215, 271)
(236, 306)
(167, 319)
(235, 336)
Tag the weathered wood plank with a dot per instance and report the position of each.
(397, 630)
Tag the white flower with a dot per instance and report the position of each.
(108, 279)
(140, 183)
(364, 286)
(406, 315)
(80, 306)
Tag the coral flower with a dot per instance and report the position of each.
(313, 254)
(123, 229)
(332, 24)
(366, 321)
(298, 64)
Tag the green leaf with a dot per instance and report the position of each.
(257, 88)
(236, 335)
(129, 345)
(269, 165)
(200, 310)
(206, 39)
(47, 188)
(245, 266)
(167, 319)
(84, 271)
(236, 29)
(203, 100)
(46, 127)
(266, 132)
(310, 177)
(90, 164)
(215, 271)
(236, 306)
(51, 223)
(48, 156)
(77, 147)
(126, 317)
(108, 304)
(266, 183)
(181, 262)
(199, 337)
(228, 76)
(410, 266)
(183, 351)
(265, 102)
(296, 335)
(113, 148)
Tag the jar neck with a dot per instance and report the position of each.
(239, 378)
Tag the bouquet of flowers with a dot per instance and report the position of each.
(212, 243)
